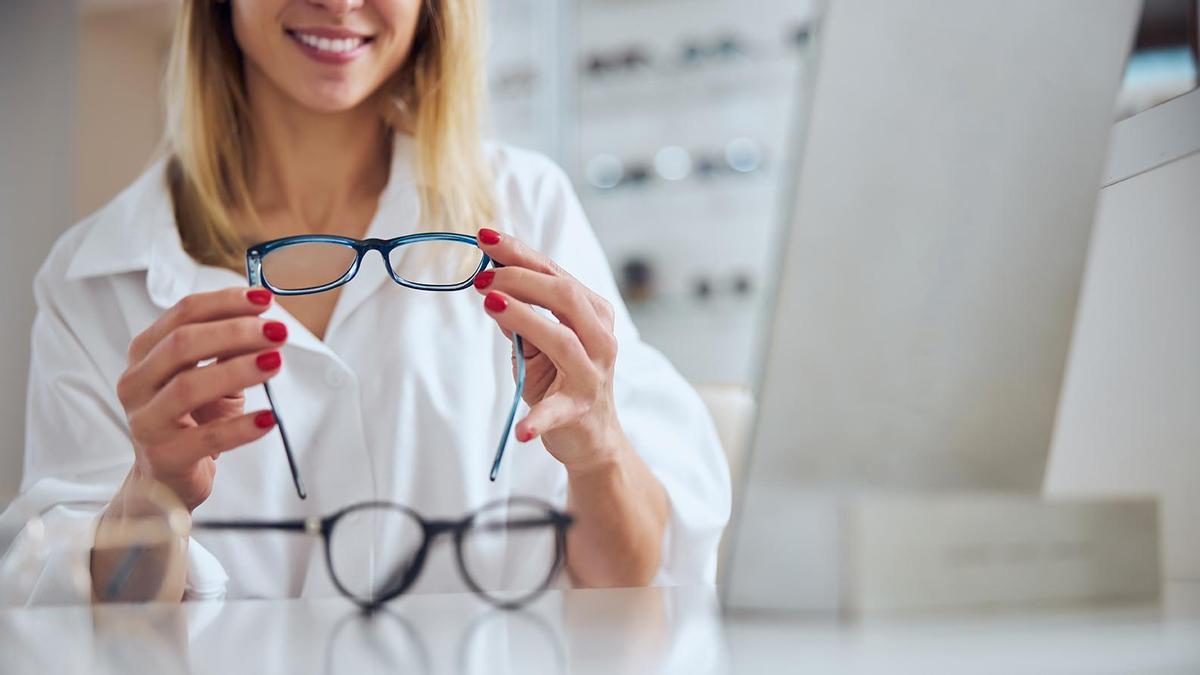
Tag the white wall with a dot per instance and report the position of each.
(120, 102)
(39, 63)
(1129, 417)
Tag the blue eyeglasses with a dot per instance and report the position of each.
(429, 261)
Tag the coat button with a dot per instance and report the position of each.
(334, 377)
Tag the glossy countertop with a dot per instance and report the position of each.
(649, 630)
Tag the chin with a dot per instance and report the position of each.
(326, 98)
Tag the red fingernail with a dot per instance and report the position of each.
(495, 302)
(489, 236)
(484, 278)
(264, 419)
(526, 436)
(275, 331)
(259, 296)
(269, 361)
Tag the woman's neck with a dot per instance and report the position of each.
(314, 172)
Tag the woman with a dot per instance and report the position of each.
(355, 118)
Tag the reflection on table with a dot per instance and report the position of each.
(650, 630)
(577, 631)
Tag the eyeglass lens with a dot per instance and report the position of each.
(436, 263)
(372, 550)
(508, 552)
(511, 551)
(313, 265)
(306, 265)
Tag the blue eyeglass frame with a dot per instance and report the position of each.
(255, 255)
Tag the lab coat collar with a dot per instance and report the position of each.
(136, 232)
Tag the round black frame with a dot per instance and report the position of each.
(432, 530)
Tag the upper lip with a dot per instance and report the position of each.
(330, 33)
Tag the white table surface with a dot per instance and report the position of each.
(679, 630)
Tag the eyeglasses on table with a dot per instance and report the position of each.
(508, 552)
(428, 261)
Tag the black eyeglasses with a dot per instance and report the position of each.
(375, 550)
(428, 261)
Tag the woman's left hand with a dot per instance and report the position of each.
(568, 363)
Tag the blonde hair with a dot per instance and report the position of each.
(436, 95)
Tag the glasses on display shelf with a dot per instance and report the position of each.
(674, 163)
(720, 49)
(428, 261)
(691, 53)
(514, 80)
(375, 551)
(629, 60)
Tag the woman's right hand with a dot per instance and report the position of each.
(183, 415)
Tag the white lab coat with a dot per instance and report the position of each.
(403, 400)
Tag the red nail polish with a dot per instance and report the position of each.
(489, 236)
(264, 419)
(259, 296)
(269, 361)
(495, 302)
(275, 331)
(526, 436)
(484, 278)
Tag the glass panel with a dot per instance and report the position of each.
(372, 550)
(308, 265)
(436, 263)
(510, 550)
(126, 556)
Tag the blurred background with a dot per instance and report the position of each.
(674, 119)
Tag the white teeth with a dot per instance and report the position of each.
(327, 45)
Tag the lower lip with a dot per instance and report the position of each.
(331, 58)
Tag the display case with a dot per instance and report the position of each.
(673, 119)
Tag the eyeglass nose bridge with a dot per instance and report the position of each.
(384, 248)
(375, 244)
(381, 246)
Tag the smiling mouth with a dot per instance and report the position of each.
(333, 45)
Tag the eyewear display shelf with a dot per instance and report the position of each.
(672, 120)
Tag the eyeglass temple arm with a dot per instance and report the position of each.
(125, 568)
(519, 353)
(286, 525)
(254, 276)
(287, 446)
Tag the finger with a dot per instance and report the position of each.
(565, 297)
(200, 307)
(210, 440)
(569, 301)
(554, 339)
(189, 344)
(510, 251)
(194, 388)
(528, 349)
(229, 405)
(548, 414)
